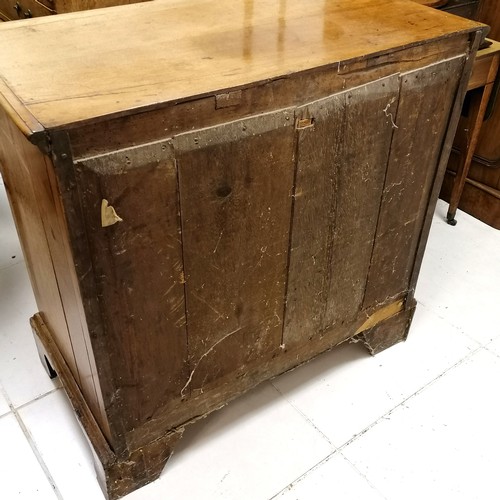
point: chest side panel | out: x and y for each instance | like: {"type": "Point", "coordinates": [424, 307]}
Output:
{"type": "Point", "coordinates": [41, 224]}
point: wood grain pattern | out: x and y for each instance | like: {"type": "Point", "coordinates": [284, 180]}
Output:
{"type": "Point", "coordinates": [342, 158]}
{"type": "Point", "coordinates": [444, 154]}
{"type": "Point", "coordinates": [279, 361]}
{"type": "Point", "coordinates": [389, 332]}
{"type": "Point", "coordinates": [139, 274]}
{"type": "Point", "coordinates": [118, 133]}
{"type": "Point", "coordinates": [235, 185]}
{"type": "Point", "coordinates": [62, 87]}
{"type": "Point", "coordinates": [421, 121]}
{"type": "Point", "coordinates": [488, 146]}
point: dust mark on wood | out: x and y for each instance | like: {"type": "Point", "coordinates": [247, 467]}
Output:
{"type": "Point", "coordinates": [204, 355]}
{"type": "Point", "coordinates": [389, 115]}
{"type": "Point", "coordinates": [218, 241]}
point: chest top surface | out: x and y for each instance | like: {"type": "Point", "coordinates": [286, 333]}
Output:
{"type": "Point", "coordinates": [74, 68]}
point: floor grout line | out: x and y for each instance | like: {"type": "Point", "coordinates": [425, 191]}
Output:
{"type": "Point", "coordinates": [491, 351]}
{"type": "Point", "coordinates": [37, 398]}
{"type": "Point", "coordinates": [305, 417]}
{"type": "Point", "coordinates": [458, 328]}
{"type": "Point", "coordinates": [372, 486]}
{"type": "Point", "coordinates": [339, 450]}
{"type": "Point", "coordinates": [416, 393]}
{"type": "Point", "coordinates": [306, 473]}
{"type": "Point", "coordinates": [31, 441]}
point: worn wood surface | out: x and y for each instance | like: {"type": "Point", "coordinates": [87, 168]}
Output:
{"type": "Point", "coordinates": [421, 121]}
{"type": "Point", "coordinates": [61, 87]}
{"type": "Point", "coordinates": [118, 133]}
{"type": "Point", "coordinates": [138, 268]}
{"type": "Point", "coordinates": [280, 360]}
{"type": "Point", "coordinates": [391, 331]}
{"type": "Point", "coordinates": [119, 476]}
{"type": "Point", "coordinates": [444, 155]}
{"type": "Point", "coordinates": [342, 154]}
{"type": "Point", "coordinates": [235, 233]}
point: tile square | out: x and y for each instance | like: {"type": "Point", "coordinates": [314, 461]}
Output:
{"type": "Point", "coordinates": [21, 372]}
{"type": "Point", "coordinates": [442, 443]}
{"type": "Point", "coordinates": [62, 445]}
{"type": "Point", "coordinates": [251, 449]}
{"type": "Point", "coordinates": [334, 478]}
{"type": "Point", "coordinates": [346, 390]}
{"type": "Point", "coordinates": [342, 392]}
{"type": "Point", "coordinates": [21, 475]}
{"type": "Point", "coordinates": [433, 346]}
{"type": "Point", "coordinates": [459, 275]}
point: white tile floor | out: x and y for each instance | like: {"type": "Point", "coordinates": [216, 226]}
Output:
{"type": "Point", "coordinates": [420, 420]}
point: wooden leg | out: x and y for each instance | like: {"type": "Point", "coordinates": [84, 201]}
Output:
{"type": "Point", "coordinates": [389, 332]}
{"type": "Point", "coordinates": [120, 474]}
{"type": "Point", "coordinates": [141, 467]}
{"type": "Point", "coordinates": [467, 146]}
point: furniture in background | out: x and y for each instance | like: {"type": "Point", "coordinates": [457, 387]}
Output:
{"type": "Point", "coordinates": [209, 201]}
{"type": "Point", "coordinates": [480, 196]}
{"type": "Point", "coordinates": [463, 8]}
{"type": "Point", "coordinates": [481, 85]}
{"type": "Point", "coordinates": [11, 10]}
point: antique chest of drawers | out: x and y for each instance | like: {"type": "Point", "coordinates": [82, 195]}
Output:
{"type": "Point", "coordinates": [211, 193]}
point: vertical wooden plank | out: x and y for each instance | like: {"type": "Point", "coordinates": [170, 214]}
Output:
{"type": "Point", "coordinates": [426, 98]}
{"type": "Point", "coordinates": [343, 146]}
{"type": "Point", "coordinates": [235, 189]}
{"type": "Point", "coordinates": [444, 154]}
{"type": "Point", "coordinates": [137, 263]}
